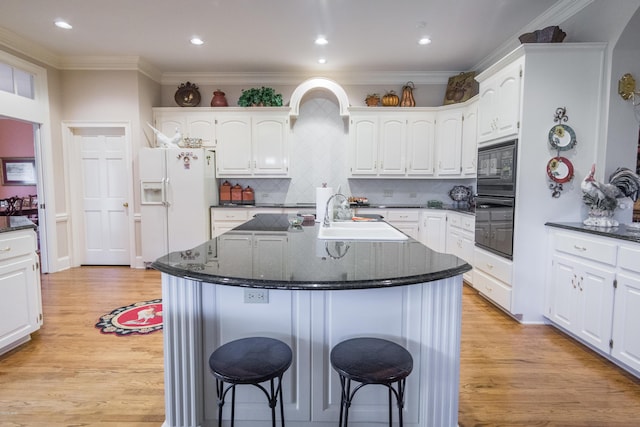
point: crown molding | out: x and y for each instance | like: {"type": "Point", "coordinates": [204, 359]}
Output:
{"type": "Point", "coordinates": [291, 78]}
{"type": "Point", "coordinates": [111, 63]}
{"type": "Point", "coordinates": [555, 15]}
{"type": "Point", "coordinates": [29, 49]}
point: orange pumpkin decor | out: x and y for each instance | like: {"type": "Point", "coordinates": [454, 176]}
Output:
{"type": "Point", "coordinates": [407, 95]}
{"type": "Point", "coordinates": [390, 99]}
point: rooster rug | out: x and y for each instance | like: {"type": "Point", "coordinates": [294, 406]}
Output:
{"type": "Point", "coordinates": [139, 318]}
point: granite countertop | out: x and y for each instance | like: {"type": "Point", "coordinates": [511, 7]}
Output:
{"type": "Point", "coordinates": [298, 260]}
{"type": "Point", "coordinates": [312, 206]}
{"type": "Point", "coordinates": [621, 232]}
{"type": "Point", "coordinates": [13, 223]}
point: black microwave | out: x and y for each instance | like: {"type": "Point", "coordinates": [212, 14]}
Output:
{"type": "Point", "coordinates": [497, 169]}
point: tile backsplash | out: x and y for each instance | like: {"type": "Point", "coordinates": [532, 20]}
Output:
{"type": "Point", "coordinates": [319, 140]}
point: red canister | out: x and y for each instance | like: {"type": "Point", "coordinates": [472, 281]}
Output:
{"type": "Point", "coordinates": [236, 194]}
{"type": "Point", "coordinates": [225, 193]}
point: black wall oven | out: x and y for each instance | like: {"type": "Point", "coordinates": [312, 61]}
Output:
{"type": "Point", "coordinates": [496, 198]}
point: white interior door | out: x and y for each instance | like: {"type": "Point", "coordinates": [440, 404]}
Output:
{"type": "Point", "coordinates": [104, 196]}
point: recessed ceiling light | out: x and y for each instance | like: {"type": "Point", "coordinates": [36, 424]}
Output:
{"type": "Point", "coordinates": [197, 41]}
{"type": "Point", "coordinates": [63, 24]}
{"type": "Point", "coordinates": [322, 61]}
{"type": "Point", "coordinates": [321, 40]}
{"type": "Point", "coordinates": [424, 41]}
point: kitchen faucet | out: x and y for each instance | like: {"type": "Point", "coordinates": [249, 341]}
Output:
{"type": "Point", "coordinates": [327, 222]}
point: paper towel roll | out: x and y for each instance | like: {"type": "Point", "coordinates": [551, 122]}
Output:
{"type": "Point", "coordinates": [322, 195]}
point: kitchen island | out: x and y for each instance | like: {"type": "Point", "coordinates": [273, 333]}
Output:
{"type": "Point", "coordinates": [267, 278]}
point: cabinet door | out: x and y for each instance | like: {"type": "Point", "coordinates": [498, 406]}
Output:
{"type": "Point", "coordinates": [363, 140]}
{"type": "Point", "coordinates": [235, 253]}
{"type": "Point", "coordinates": [626, 321]}
{"type": "Point", "coordinates": [270, 256]}
{"type": "Point", "coordinates": [170, 122]}
{"type": "Point", "coordinates": [433, 232]}
{"type": "Point", "coordinates": [19, 299]}
{"type": "Point", "coordinates": [393, 136]}
{"type": "Point", "coordinates": [508, 103]}
{"type": "Point", "coordinates": [270, 146]}
{"type": "Point", "coordinates": [563, 292]}
{"type": "Point", "coordinates": [596, 291]}
{"type": "Point", "coordinates": [487, 105]}
{"type": "Point", "coordinates": [470, 141]}
{"type": "Point", "coordinates": [421, 136]}
{"type": "Point", "coordinates": [449, 142]}
{"type": "Point", "coordinates": [201, 125]}
{"type": "Point", "coordinates": [234, 146]}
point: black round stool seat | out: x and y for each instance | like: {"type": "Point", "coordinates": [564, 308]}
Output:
{"type": "Point", "coordinates": [371, 361]}
{"type": "Point", "coordinates": [250, 361]}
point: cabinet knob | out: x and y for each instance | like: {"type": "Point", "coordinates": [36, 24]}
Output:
{"type": "Point", "coordinates": [5, 249]}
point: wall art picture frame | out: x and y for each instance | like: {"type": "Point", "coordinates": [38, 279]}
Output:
{"type": "Point", "coordinates": [460, 88]}
{"type": "Point", "coordinates": [18, 171]}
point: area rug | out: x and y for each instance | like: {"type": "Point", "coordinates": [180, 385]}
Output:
{"type": "Point", "coordinates": [139, 318]}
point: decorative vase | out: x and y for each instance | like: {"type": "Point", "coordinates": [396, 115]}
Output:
{"type": "Point", "coordinates": [600, 218]}
{"type": "Point", "coordinates": [219, 99]}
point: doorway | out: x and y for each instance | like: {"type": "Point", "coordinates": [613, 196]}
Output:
{"type": "Point", "coordinates": [99, 178]}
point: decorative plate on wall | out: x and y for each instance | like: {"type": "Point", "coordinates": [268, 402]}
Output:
{"type": "Point", "coordinates": [560, 170]}
{"type": "Point", "coordinates": [562, 137]}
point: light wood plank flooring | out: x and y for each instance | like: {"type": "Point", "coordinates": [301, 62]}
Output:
{"type": "Point", "coordinates": [71, 375]}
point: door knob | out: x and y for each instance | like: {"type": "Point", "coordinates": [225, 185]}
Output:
{"type": "Point", "coordinates": [125, 204]}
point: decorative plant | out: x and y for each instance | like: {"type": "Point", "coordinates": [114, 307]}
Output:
{"type": "Point", "coordinates": [260, 97]}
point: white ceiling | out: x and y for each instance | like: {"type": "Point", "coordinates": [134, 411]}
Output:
{"type": "Point", "coordinates": [276, 36]}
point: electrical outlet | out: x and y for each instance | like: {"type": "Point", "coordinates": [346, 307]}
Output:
{"type": "Point", "coordinates": [256, 296]}
{"type": "Point", "coordinates": [265, 195]}
{"type": "Point", "coordinates": [413, 195]}
{"type": "Point", "coordinates": [387, 193]}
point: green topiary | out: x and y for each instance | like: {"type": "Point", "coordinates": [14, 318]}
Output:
{"type": "Point", "coordinates": [260, 97]}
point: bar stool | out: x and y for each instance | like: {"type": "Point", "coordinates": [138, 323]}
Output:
{"type": "Point", "coordinates": [250, 361]}
{"type": "Point", "coordinates": [371, 361]}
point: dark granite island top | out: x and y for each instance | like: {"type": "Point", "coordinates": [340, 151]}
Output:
{"type": "Point", "coordinates": [308, 263]}
{"type": "Point", "coordinates": [13, 223]}
{"type": "Point", "coordinates": [265, 278]}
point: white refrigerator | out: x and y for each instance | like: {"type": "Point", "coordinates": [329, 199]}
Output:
{"type": "Point", "coordinates": [177, 187]}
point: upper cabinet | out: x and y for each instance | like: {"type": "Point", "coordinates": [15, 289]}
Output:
{"type": "Point", "coordinates": [250, 142]}
{"type": "Point", "coordinates": [499, 104]}
{"type": "Point", "coordinates": [391, 144]}
{"type": "Point", "coordinates": [420, 143]}
{"type": "Point", "coordinates": [192, 124]}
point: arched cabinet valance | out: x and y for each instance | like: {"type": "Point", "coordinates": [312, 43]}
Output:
{"type": "Point", "coordinates": [319, 83]}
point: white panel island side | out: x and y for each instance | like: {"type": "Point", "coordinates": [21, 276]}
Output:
{"type": "Point", "coordinates": [312, 294]}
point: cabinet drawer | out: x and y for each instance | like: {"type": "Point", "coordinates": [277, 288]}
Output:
{"type": "Point", "coordinates": [412, 215]}
{"type": "Point", "coordinates": [230, 214]}
{"type": "Point", "coordinates": [468, 223]}
{"type": "Point", "coordinates": [629, 257]}
{"type": "Point", "coordinates": [494, 289]}
{"type": "Point", "coordinates": [16, 246]}
{"type": "Point", "coordinates": [592, 249]}
{"type": "Point", "coordinates": [493, 265]}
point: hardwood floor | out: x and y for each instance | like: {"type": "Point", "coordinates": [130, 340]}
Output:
{"type": "Point", "coordinates": [72, 375]}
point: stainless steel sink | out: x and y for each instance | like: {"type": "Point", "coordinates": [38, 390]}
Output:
{"type": "Point", "coordinates": [365, 230]}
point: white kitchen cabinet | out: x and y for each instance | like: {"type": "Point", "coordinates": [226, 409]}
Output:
{"type": "Point", "coordinates": [433, 229]}
{"type": "Point", "coordinates": [493, 277]}
{"type": "Point", "coordinates": [582, 300]}
{"type": "Point", "coordinates": [461, 238]}
{"type": "Point", "coordinates": [20, 297]}
{"type": "Point", "coordinates": [391, 144]}
{"type": "Point", "coordinates": [192, 123]}
{"type": "Point", "coordinates": [593, 293]}
{"type": "Point", "coordinates": [267, 253]}
{"type": "Point", "coordinates": [499, 103]}
{"type": "Point", "coordinates": [449, 142]}
{"type": "Point", "coordinates": [225, 219]}
{"type": "Point", "coordinates": [253, 144]}
{"type": "Point", "coordinates": [405, 220]}
{"type": "Point", "coordinates": [469, 149]}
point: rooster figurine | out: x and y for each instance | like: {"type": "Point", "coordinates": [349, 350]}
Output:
{"type": "Point", "coordinates": [603, 199]}
{"type": "Point", "coordinates": [164, 140]}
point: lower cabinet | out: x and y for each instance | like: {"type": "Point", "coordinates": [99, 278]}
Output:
{"type": "Point", "coordinates": [20, 298]}
{"type": "Point", "coordinates": [492, 277]}
{"type": "Point", "coordinates": [225, 219]}
{"type": "Point", "coordinates": [267, 250]}
{"type": "Point", "coordinates": [461, 238]}
{"type": "Point", "coordinates": [433, 229]}
{"type": "Point", "coordinates": [593, 293]}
